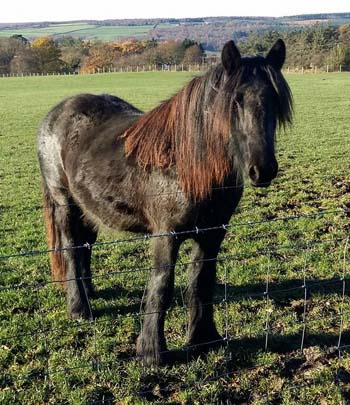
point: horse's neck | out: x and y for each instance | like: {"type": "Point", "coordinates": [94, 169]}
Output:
{"type": "Point", "coordinates": [178, 133]}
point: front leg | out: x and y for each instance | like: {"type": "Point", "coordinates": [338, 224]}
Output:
{"type": "Point", "coordinates": [151, 345]}
{"type": "Point", "coordinates": [200, 290]}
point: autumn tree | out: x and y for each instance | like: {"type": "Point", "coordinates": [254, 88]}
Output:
{"type": "Point", "coordinates": [48, 55]}
{"type": "Point", "coordinates": [101, 56]}
{"type": "Point", "coordinates": [9, 48]}
{"type": "Point", "coordinates": [170, 52]}
{"type": "Point", "coordinates": [193, 55]}
{"type": "Point", "coordinates": [344, 35]}
{"type": "Point", "coordinates": [133, 52]}
{"type": "Point", "coordinates": [131, 46]}
{"type": "Point", "coordinates": [167, 53]}
{"type": "Point", "coordinates": [339, 55]}
{"type": "Point", "coordinates": [24, 62]}
{"type": "Point", "coordinates": [73, 52]}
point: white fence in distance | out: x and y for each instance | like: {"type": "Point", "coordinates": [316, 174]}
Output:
{"type": "Point", "coordinates": [199, 67]}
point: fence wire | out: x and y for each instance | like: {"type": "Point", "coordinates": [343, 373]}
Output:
{"type": "Point", "coordinates": [178, 234]}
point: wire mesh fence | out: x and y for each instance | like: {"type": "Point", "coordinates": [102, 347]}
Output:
{"type": "Point", "coordinates": [278, 313]}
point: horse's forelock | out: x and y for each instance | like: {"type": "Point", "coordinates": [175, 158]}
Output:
{"type": "Point", "coordinates": [258, 67]}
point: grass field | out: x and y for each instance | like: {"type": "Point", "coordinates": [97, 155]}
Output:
{"type": "Point", "coordinates": [44, 358]}
{"type": "Point", "coordinates": [83, 30]}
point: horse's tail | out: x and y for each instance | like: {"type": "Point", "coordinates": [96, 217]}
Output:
{"type": "Point", "coordinates": [57, 261]}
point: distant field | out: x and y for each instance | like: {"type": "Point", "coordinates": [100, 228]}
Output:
{"type": "Point", "coordinates": [83, 30]}
{"type": "Point", "coordinates": [36, 338]}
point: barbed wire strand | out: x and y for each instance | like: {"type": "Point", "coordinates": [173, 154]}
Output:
{"type": "Point", "coordinates": [150, 268]}
{"type": "Point", "coordinates": [173, 234]}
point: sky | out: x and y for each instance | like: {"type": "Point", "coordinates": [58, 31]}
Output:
{"type": "Point", "coordinates": [66, 10]}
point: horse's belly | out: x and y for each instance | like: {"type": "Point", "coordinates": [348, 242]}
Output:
{"type": "Point", "coordinates": [115, 214]}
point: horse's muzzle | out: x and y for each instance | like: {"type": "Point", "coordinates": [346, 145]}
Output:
{"type": "Point", "coordinates": [262, 176]}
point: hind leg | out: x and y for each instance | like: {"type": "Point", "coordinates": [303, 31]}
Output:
{"type": "Point", "coordinates": [73, 235]}
{"type": "Point", "coordinates": [88, 235]}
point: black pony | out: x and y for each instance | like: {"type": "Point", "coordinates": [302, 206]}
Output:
{"type": "Point", "coordinates": [178, 167]}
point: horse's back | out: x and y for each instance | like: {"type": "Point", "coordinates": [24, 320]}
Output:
{"type": "Point", "coordinates": [69, 123]}
{"type": "Point", "coordinates": [83, 111]}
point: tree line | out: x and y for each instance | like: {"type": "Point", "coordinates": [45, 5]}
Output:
{"type": "Point", "coordinates": [69, 55]}
{"type": "Point", "coordinates": [316, 45]}
{"type": "Point", "coordinates": [319, 46]}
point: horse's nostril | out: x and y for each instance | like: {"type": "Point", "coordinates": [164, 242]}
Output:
{"type": "Point", "coordinates": [254, 173]}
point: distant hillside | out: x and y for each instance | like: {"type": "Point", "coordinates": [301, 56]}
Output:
{"type": "Point", "coordinates": [212, 32]}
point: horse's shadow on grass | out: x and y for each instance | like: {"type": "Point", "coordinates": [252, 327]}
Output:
{"type": "Point", "coordinates": [278, 288]}
{"type": "Point", "coordinates": [282, 293]}
{"type": "Point", "coordinates": [109, 294]}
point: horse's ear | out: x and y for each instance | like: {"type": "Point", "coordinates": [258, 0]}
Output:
{"type": "Point", "coordinates": [230, 57]}
{"type": "Point", "coordinates": [277, 55]}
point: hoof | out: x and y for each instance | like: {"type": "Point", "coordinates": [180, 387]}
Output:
{"type": "Point", "coordinates": [152, 354]}
{"type": "Point", "coordinates": [82, 313]}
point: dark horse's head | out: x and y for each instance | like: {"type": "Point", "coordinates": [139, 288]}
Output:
{"type": "Point", "coordinates": [220, 122]}
{"type": "Point", "coordinates": [257, 99]}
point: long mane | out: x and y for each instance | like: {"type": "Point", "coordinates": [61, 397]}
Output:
{"type": "Point", "coordinates": [192, 130]}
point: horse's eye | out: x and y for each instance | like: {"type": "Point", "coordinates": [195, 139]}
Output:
{"type": "Point", "coordinates": [239, 98]}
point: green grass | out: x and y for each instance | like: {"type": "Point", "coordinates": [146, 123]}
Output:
{"type": "Point", "coordinates": [83, 30]}
{"type": "Point", "coordinates": [52, 29]}
{"type": "Point", "coordinates": [314, 175]}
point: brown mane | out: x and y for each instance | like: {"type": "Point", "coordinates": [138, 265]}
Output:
{"type": "Point", "coordinates": [192, 130]}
